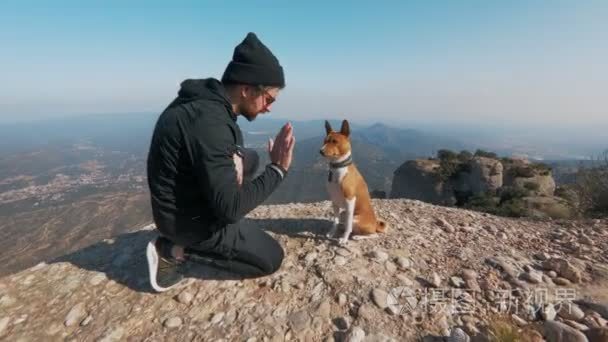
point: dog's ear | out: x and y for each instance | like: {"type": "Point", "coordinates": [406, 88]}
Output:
{"type": "Point", "coordinates": [328, 127]}
{"type": "Point", "coordinates": [345, 130]}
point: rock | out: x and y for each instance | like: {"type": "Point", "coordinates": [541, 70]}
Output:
{"type": "Point", "coordinates": [597, 334]}
{"type": "Point", "coordinates": [458, 335]}
{"type": "Point", "coordinates": [562, 281]}
{"type": "Point", "coordinates": [324, 309]}
{"type": "Point", "coordinates": [97, 279]}
{"type": "Point", "coordinates": [342, 323]}
{"type": "Point", "coordinates": [519, 321]}
{"type": "Point", "coordinates": [355, 334]}
{"type": "Point", "coordinates": [173, 322]}
{"type": "Point", "coordinates": [533, 277]}
{"type": "Point", "coordinates": [342, 299]}
{"type": "Point", "coordinates": [76, 315]}
{"type": "Point", "coordinates": [390, 267]}
{"type": "Point", "coordinates": [457, 281]}
{"type": "Point", "coordinates": [403, 263]}
{"type": "Point", "coordinates": [586, 240]}
{"type": "Point", "coordinates": [435, 280]}
{"type": "Point", "coordinates": [570, 311]}
{"type": "Point", "coordinates": [504, 266]}
{"type": "Point", "coordinates": [552, 274]}
{"type": "Point", "coordinates": [299, 320]}
{"type": "Point", "coordinates": [185, 297]}
{"type": "Point", "coordinates": [86, 321]}
{"type": "Point", "coordinates": [445, 225]}
{"type": "Point", "coordinates": [340, 261]}
{"type": "Point", "coordinates": [548, 312]}
{"type": "Point", "coordinates": [601, 309]}
{"type": "Point", "coordinates": [4, 324]}
{"type": "Point", "coordinates": [560, 332]}
{"type": "Point", "coordinates": [112, 334]}
{"type": "Point", "coordinates": [563, 268]}
{"type": "Point", "coordinates": [378, 256]}
{"type": "Point", "coordinates": [542, 256]}
{"type": "Point", "coordinates": [379, 298]}
{"type": "Point", "coordinates": [310, 257]}
{"type": "Point", "coordinates": [576, 325]}
{"type": "Point", "coordinates": [217, 317]}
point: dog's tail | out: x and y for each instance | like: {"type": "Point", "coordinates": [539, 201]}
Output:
{"type": "Point", "coordinates": [381, 226]}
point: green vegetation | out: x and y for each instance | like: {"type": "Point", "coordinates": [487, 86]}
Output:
{"type": "Point", "coordinates": [591, 188]}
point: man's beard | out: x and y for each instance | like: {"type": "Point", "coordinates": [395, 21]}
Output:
{"type": "Point", "coordinates": [250, 117]}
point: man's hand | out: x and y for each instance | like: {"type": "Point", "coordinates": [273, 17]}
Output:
{"type": "Point", "coordinates": [281, 149]}
{"type": "Point", "coordinates": [238, 165]}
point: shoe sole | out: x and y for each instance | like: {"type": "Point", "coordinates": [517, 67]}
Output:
{"type": "Point", "coordinates": [152, 257]}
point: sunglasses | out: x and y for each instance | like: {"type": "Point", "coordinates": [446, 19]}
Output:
{"type": "Point", "coordinates": [268, 98]}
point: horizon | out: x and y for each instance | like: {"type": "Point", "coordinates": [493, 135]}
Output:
{"type": "Point", "coordinates": [520, 64]}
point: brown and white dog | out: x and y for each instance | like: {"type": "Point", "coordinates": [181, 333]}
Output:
{"type": "Point", "coordinates": [347, 188]}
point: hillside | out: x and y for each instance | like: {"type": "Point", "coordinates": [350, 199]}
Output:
{"type": "Point", "coordinates": [438, 271]}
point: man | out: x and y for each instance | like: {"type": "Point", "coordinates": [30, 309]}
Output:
{"type": "Point", "coordinates": [200, 175]}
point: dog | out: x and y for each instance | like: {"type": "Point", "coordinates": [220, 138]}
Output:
{"type": "Point", "coordinates": [347, 189]}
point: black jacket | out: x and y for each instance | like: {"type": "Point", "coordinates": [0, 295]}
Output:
{"type": "Point", "coordinates": [191, 172]}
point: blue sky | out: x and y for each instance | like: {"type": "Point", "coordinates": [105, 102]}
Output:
{"type": "Point", "coordinates": [496, 62]}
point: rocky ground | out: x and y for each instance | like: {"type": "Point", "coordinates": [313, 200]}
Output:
{"type": "Point", "coordinates": [438, 274]}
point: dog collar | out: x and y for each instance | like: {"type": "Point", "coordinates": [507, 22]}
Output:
{"type": "Point", "coordinates": [343, 163]}
{"type": "Point", "coordinates": [333, 166]}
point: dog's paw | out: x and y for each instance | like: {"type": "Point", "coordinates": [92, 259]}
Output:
{"type": "Point", "coordinates": [343, 241]}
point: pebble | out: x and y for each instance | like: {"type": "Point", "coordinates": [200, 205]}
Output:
{"type": "Point", "coordinates": [172, 322]}
{"type": "Point", "coordinates": [76, 315]}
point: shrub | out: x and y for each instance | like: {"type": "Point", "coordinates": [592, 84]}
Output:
{"type": "Point", "coordinates": [592, 188]}
{"type": "Point", "coordinates": [521, 171]}
{"type": "Point", "coordinates": [513, 208]}
{"type": "Point", "coordinates": [482, 153]}
{"type": "Point", "coordinates": [465, 156]}
{"type": "Point", "coordinates": [446, 155]}
{"type": "Point", "coordinates": [541, 168]}
{"type": "Point", "coordinates": [531, 186]}
{"type": "Point", "coordinates": [508, 193]}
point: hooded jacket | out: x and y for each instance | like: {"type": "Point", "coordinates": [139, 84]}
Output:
{"type": "Point", "coordinates": [191, 173]}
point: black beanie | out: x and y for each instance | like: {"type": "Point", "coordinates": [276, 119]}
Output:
{"type": "Point", "coordinates": [253, 63]}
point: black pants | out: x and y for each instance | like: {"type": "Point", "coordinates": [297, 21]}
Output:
{"type": "Point", "coordinates": [249, 252]}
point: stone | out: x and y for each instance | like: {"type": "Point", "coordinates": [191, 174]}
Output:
{"type": "Point", "coordinates": [556, 331]}
{"type": "Point", "coordinates": [185, 297]}
{"type": "Point", "coordinates": [561, 281]}
{"type": "Point", "coordinates": [97, 279]}
{"type": "Point", "coordinates": [4, 324]}
{"type": "Point", "coordinates": [570, 311]}
{"type": "Point", "coordinates": [324, 309]}
{"type": "Point", "coordinates": [576, 325]}
{"type": "Point", "coordinates": [76, 315]}
{"type": "Point", "coordinates": [564, 268]}
{"type": "Point", "coordinates": [390, 267]}
{"type": "Point", "coordinates": [435, 280]}
{"type": "Point", "coordinates": [403, 263]}
{"type": "Point", "coordinates": [355, 334]}
{"type": "Point", "coordinates": [112, 335]}
{"type": "Point", "coordinates": [519, 321]}
{"type": "Point", "coordinates": [342, 323]}
{"type": "Point", "coordinates": [379, 256]}
{"type": "Point", "coordinates": [597, 334]}
{"type": "Point", "coordinates": [457, 282]}
{"type": "Point", "coordinates": [533, 277]}
{"type": "Point", "coordinates": [299, 320]}
{"type": "Point", "coordinates": [458, 335]}
{"type": "Point", "coordinates": [342, 299]}
{"type": "Point", "coordinates": [379, 297]}
{"type": "Point", "coordinates": [173, 322]}
{"type": "Point", "coordinates": [548, 312]}
{"type": "Point", "coordinates": [217, 317]}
